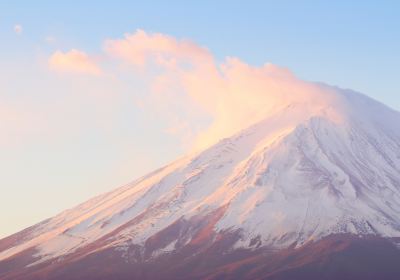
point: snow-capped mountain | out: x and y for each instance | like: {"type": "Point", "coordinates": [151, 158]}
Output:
{"type": "Point", "coordinates": [318, 172]}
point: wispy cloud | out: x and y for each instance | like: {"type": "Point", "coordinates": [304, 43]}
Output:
{"type": "Point", "coordinates": [146, 49]}
{"type": "Point", "coordinates": [202, 99]}
{"type": "Point", "coordinates": [18, 29]}
{"type": "Point", "coordinates": [188, 81]}
{"type": "Point", "coordinates": [74, 61]}
{"type": "Point", "coordinates": [50, 39]}
{"type": "Point", "coordinates": [16, 124]}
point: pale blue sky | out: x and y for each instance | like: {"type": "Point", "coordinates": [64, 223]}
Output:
{"type": "Point", "coordinates": [52, 166]}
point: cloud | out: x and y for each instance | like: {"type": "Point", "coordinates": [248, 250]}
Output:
{"type": "Point", "coordinates": [198, 98]}
{"type": "Point", "coordinates": [16, 124]}
{"type": "Point", "coordinates": [74, 61]}
{"type": "Point", "coordinates": [50, 39]}
{"type": "Point", "coordinates": [18, 29]}
{"type": "Point", "coordinates": [189, 86]}
{"type": "Point", "coordinates": [143, 49]}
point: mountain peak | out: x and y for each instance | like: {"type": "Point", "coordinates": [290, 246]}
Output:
{"type": "Point", "coordinates": [315, 166]}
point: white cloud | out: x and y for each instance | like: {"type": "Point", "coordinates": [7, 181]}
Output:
{"type": "Point", "coordinates": [18, 29]}
{"type": "Point", "coordinates": [50, 39]}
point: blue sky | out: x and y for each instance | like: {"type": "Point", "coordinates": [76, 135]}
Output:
{"type": "Point", "coordinates": [352, 44]}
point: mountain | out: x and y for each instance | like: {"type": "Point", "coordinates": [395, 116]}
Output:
{"type": "Point", "coordinates": [312, 191]}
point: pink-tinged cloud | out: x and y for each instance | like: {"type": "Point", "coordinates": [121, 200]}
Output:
{"type": "Point", "coordinates": [202, 100]}
{"type": "Point", "coordinates": [18, 124]}
{"type": "Point", "coordinates": [74, 61]}
{"type": "Point", "coordinates": [187, 81]}
{"type": "Point", "coordinates": [144, 49]}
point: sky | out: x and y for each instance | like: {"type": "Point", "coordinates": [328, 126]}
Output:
{"type": "Point", "coordinates": [94, 94]}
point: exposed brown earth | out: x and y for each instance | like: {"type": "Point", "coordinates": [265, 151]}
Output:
{"type": "Point", "coordinates": [334, 257]}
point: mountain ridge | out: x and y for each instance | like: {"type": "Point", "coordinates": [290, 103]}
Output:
{"type": "Point", "coordinates": [314, 168]}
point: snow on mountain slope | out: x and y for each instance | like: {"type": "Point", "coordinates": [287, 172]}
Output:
{"type": "Point", "coordinates": [328, 163]}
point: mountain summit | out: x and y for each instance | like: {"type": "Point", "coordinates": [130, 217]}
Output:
{"type": "Point", "coordinates": [312, 191]}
